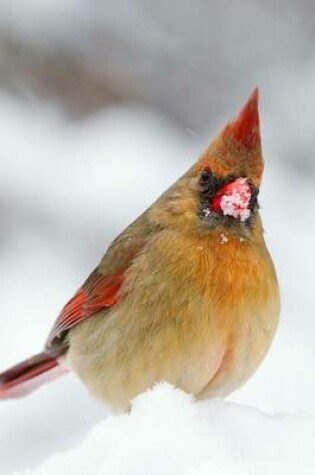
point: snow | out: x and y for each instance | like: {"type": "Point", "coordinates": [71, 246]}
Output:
{"type": "Point", "coordinates": [66, 190]}
{"type": "Point", "coordinates": [236, 199]}
{"type": "Point", "coordinates": [223, 238]}
{"type": "Point", "coordinates": [166, 432]}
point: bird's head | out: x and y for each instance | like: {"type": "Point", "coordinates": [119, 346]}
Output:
{"type": "Point", "coordinates": [221, 189]}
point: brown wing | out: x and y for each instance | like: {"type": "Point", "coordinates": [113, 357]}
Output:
{"type": "Point", "coordinates": [101, 289]}
{"type": "Point", "coordinates": [98, 292]}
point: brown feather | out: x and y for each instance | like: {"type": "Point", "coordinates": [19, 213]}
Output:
{"type": "Point", "coordinates": [177, 297]}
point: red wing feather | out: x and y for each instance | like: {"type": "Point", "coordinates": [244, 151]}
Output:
{"type": "Point", "coordinates": [97, 293]}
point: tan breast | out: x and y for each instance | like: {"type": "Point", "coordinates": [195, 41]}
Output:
{"type": "Point", "coordinates": [246, 297]}
{"type": "Point", "coordinates": [195, 312]}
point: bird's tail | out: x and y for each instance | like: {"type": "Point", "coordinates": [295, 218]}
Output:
{"type": "Point", "coordinates": [26, 376]}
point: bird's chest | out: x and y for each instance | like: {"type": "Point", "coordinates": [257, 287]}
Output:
{"type": "Point", "coordinates": [241, 293]}
{"type": "Point", "coordinates": [196, 316]}
{"type": "Point", "coordinates": [213, 305]}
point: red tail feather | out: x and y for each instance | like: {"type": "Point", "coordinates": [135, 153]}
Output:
{"type": "Point", "coordinates": [28, 375]}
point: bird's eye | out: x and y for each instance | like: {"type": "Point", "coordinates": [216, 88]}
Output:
{"type": "Point", "coordinates": [205, 177]}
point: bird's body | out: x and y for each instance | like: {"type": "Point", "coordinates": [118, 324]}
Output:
{"type": "Point", "coordinates": [186, 294]}
{"type": "Point", "coordinates": [206, 332]}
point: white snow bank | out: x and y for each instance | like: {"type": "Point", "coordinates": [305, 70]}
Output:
{"type": "Point", "coordinates": [167, 433]}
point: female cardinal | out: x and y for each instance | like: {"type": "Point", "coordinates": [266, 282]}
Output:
{"type": "Point", "coordinates": [186, 294]}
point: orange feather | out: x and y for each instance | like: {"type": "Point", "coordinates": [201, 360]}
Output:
{"type": "Point", "coordinates": [187, 293]}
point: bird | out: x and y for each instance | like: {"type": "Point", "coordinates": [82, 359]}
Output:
{"type": "Point", "coordinates": [186, 294]}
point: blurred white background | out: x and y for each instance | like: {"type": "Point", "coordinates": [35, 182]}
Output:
{"type": "Point", "coordinates": [102, 106]}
